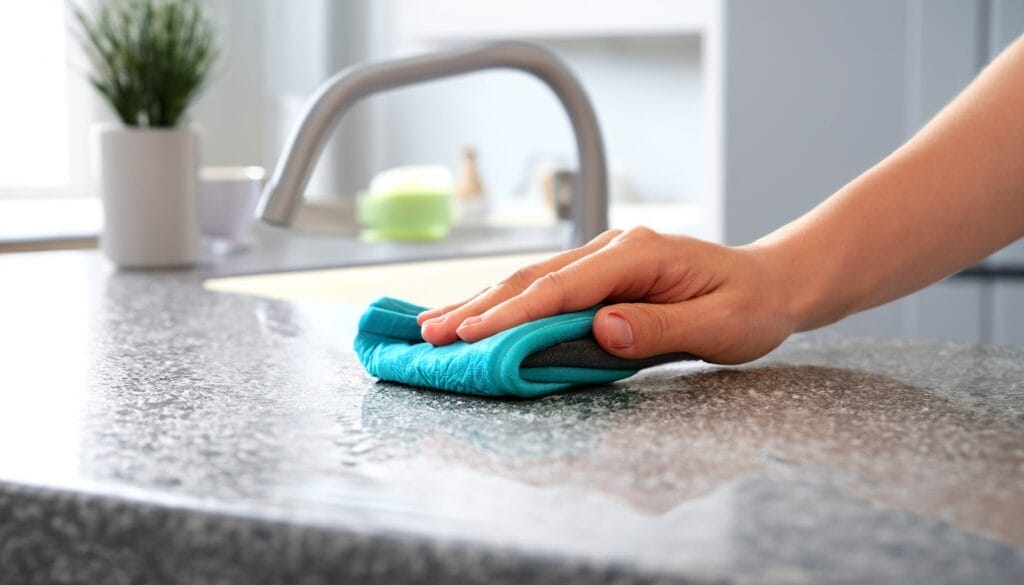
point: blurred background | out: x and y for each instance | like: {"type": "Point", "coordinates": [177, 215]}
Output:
{"type": "Point", "coordinates": [721, 119]}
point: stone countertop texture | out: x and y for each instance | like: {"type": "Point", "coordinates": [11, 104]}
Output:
{"type": "Point", "coordinates": [154, 432]}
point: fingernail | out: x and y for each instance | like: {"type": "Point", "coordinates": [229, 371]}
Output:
{"type": "Point", "coordinates": [620, 336]}
{"type": "Point", "coordinates": [428, 315]}
{"type": "Point", "coordinates": [470, 322]}
{"type": "Point", "coordinates": [436, 320]}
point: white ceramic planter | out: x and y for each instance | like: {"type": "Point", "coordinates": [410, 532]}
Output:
{"type": "Point", "coordinates": [149, 182]}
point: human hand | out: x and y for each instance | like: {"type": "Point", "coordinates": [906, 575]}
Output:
{"type": "Point", "coordinates": [670, 294]}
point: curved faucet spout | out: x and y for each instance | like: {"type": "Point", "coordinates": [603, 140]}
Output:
{"type": "Point", "coordinates": [589, 211]}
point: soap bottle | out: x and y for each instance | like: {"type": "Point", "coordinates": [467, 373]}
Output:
{"type": "Point", "coordinates": [469, 192]}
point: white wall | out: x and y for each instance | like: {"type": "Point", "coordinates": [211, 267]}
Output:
{"type": "Point", "coordinates": [646, 93]}
{"type": "Point", "coordinates": [275, 56]}
{"type": "Point", "coordinates": [232, 110]}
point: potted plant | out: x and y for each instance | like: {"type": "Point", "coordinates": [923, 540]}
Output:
{"type": "Point", "coordinates": [149, 60]}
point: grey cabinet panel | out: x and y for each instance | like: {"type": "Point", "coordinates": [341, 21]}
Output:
{"type": "Point", "coordinates": [1006, 24]}
{"type": "Point", "coordinates": [817, 91]}
{"type": "Point", "coordinates": [1008, 313]}
{"type": "Point", "coordinates": [814, 95]}
{"type": "Point", "coordinates": [885, 322]}
{"type": "Point", "coordinates": [946, 49]}
{"type": "Point", "coordinates": [951, 310]}
{"type": "Point", "coordinates": [1014, 253]}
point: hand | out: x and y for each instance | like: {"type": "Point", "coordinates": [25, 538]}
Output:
{"type": "Point", "coordinates": [670, 293]}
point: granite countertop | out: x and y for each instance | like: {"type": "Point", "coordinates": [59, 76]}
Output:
{"type": "Point", "coordinates": [155, 432]}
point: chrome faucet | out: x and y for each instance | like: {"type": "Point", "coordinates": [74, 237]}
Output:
{"type": "Point", "coordinates": [589, 209]}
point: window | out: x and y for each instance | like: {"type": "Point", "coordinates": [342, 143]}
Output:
{"type": "Point", "coordinates": [35, 145]}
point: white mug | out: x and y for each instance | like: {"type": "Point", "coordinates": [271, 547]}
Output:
{"type": "Point", "coordinates": [227, 200]}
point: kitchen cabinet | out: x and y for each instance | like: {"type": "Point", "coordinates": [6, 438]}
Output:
{"type": "Point", "coordinates": [817, 92]}
{"type": "Point", "coordinates": [957, 309]}
{"type": "Point", "coordinates": [971, 310]}
{"type": "Point", "coordinates": [1008, 312]}
{"type": "Point", "coordinates": [951, 310]}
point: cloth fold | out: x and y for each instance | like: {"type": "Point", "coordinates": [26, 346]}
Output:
{"type": "Point", "coordinates": [390, 347]}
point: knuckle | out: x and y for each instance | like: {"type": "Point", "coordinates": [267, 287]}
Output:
{"type": "Point", "coordinates": [608, 235]}
{"type": "Point", "coordinates": [503, 289]}
{"type": "Point", "coordinates": [520, 309]}
{"type": "Point", "coordinates": [549, 292]}
{"type": "Point", "coordinates": [521, 279]}
{"type": "Point", "coordinates": [641, 232]}
{"type": "Point", "coordinates": [638, 236]}
{"type": "Point", "coordinates": [660, 326]}
{"type": "Point", "coordinates": [554, 282]}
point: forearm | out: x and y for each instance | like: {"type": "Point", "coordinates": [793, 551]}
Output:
{"type": "Point", "coordinates": [950, 196]}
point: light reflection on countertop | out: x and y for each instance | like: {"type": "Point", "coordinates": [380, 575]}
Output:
{"type": "Point", "coordinates": [45, 357]}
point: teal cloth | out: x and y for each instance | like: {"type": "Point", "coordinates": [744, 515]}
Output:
{"type": "Point", "coordinates": [390, 347]}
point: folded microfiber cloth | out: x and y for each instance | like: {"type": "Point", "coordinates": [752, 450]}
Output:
{"type": "Point", "coordinates": [530, 360]}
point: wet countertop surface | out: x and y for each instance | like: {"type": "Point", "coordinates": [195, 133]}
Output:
{"type": "Point", "coordinates": [154, 432]}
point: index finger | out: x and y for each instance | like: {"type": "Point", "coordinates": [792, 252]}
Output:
{"type": "Point", "coordinates": [439, 327]}
{"type": "Point", "coordinates": [611, 271]}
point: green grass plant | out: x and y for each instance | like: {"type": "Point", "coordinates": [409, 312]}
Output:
{"type": "Point", "coordinates": [149, 58]}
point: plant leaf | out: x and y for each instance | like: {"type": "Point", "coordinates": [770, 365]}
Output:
{"type": "Point", "coordinates": [149, 58]}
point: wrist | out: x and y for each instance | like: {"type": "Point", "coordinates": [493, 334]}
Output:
{"type": "Point", "coordinates": [800, 283]}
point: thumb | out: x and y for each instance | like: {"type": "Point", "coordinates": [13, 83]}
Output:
{"type": "Point", "coordinates": [640, 330]}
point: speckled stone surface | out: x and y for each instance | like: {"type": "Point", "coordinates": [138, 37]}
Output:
{"type": "Point", "coordinates": [153, 432]}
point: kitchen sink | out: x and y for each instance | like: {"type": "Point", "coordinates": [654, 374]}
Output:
{"type": "Point", "coordinates": [428, 283]}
